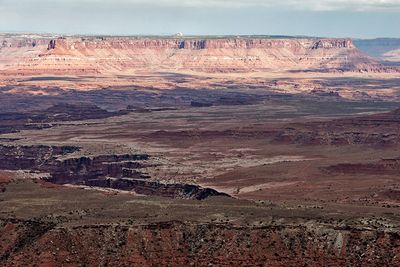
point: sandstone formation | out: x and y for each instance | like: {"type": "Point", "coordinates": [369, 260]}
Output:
{"type": "Point", "coordinates": [111, 55]}
{"type": "Point", "coordinates": [123, 151]}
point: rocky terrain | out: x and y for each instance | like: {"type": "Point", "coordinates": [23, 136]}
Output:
{"type": "Point", "coordinates": [16, 121]}
{"type": "Point", "coordinates": [92, 228]}
{"type": "Point", "coordinates": [195, 151]}
{"type": "Point", "coordinates": [111, 55]}
{"type": "Point", "coordinates": [120, 172]}
{"type": "Point", "coordinates": [201, 244]}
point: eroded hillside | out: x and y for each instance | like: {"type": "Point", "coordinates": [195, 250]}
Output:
{"type": "Point", "coordinates": [112, 55]}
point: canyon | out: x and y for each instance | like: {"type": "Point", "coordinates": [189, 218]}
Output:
{"type": "Point", "coordinates": [198, 151]}
{"type": "Point", "coordinates": [115, 171]}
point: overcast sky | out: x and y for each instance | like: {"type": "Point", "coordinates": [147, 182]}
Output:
{"type": "Point", "coordinates": [336, 18]}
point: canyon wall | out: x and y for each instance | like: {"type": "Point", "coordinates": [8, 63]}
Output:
{"type": "Point", "coordinates": [191, 244]}
{"type": "Point", "coordinates": [111, 55]}
{"type": "Point", "coordinates": [121, 172]}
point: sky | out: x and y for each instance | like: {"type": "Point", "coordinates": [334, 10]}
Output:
{"type": "Point", "coordinates": [323, 18]}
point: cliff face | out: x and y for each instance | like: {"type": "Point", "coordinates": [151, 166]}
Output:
{"type": "Point", "coordinates": [120, 55]}
{"type": "Point", "coordinates": [178, 244]}
{"type": "Point", "coordinates": [198, 44]}
{"type": "Point", "coordinates": [122, 172]}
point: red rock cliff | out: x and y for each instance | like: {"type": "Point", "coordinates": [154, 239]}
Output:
{"type": "Point", "coordinates": [124, 55]}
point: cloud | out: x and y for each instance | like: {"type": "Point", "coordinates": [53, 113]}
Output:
{"type": "Point", "coordinates": [355, 18]}
{"type": "Point", "coordinates": [358, 5]}
{"type": "Point", "coordinates": [311, 5]}
{"type": "Point", "coordinates": [349, 5]}
{"type": "Point", "coordinates": [314, 5]}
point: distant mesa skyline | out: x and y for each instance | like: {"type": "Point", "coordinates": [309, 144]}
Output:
{"type": "Point", "coordinates": [324, 18]}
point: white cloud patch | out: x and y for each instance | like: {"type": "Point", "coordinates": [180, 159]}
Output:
{"type": "Point", "coordinates": [313, 5]}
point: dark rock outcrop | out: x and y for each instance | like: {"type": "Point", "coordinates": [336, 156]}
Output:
{"type": "Point", "coordinates": [122, 172]}
{"type": "Point", "coordinates": [52, 45]}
